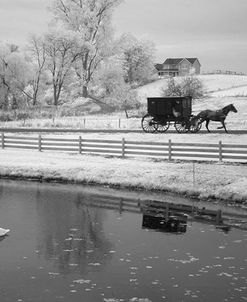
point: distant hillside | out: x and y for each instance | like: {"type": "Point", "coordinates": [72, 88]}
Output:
{"type": "Point", "coordinates": [215, 86]}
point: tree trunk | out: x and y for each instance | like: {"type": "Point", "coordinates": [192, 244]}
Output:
{"type": "Point", "coordinates": [85, 91]}
{"type": "Point", "coordinates": [126, 113]}
{"type": "Point", "coordinates": [35, 97]}
{"type": "Point", "coordinates": [36, 90]}
{"type": "Point", "coordinates": [55, 98]}
{"type": "Point", "coordinates": [104, 107]}
{"type": "Point", "coordinates": [6, 99]}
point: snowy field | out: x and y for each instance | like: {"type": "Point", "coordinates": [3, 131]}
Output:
{"type": "Point", "coordinates": [225, 182]}
{"type": "Point", "coordinates": [222, 90]}
{"type": "Point", "coordinates": [175, 137]}
{"type": "Point", "coordinates": [234, 121]}
{"type": "Point", "coordinates": [215, 86]}
{"type": "Point", "coordinates": [240, 91]}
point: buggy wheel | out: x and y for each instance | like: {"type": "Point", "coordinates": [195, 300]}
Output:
{"type": "Point", "coordinates": [181, 126]}
{"type": "Point", "coordinates": [172, 225]}
{"type": "Point", "coordinates": [148, 124]}
{"type": "Point", "coordinates": [195, 124]}
{"type": "Point", "coordinates": [162, 126]}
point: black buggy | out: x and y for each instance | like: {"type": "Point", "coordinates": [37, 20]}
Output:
{"type": "Point", "coordinates": [163, 111]}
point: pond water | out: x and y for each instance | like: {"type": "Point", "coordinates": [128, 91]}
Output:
{"type": "Point", "coordinates": [64, 247]}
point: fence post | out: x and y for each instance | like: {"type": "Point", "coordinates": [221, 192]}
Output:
{"type": "Point", "coordinates": [194, 178]}
{"type": "Point", "coordinates": [2, 140]}
{"type": "Point", "coordinates": [84, 122]}
{"type": "Point", "coordinates": [80, 145]}
{"type": "Point", "coordinates": [169, 150]}
{"type": "Point", "coordinates": [40, 143]}
{"type": "Point", "coordinates": [123, 147]}
{"type": "Point", "coordinates": [119, 123]}
{"type": "Point", "coordinates": [220, 151]}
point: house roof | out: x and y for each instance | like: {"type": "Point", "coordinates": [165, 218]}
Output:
{"type": "Point", "coordinates": [175, 61]}
{"type": "Point", "coordinates": [192, 60]}
{"type": "Point", "coordinates": [158, 66]}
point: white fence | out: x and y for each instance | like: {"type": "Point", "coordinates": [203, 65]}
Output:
{"type": "Point", "coordinates": [126, 148]}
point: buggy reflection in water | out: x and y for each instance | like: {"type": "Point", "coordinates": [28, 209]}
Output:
{"type": "Point", "coordinates": [161, 222]}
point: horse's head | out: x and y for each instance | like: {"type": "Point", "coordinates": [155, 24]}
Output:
{"type": "Point", "coordinates": [229, 108]}
{"type": "Point", "coordinates": [232, 108]}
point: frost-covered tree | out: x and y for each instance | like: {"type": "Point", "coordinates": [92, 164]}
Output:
{"type": "Point", "coordinates": [91, 20]}
{"type": "Point", "coordinates": [60, 46]}
{"type": "Point", "coordinates": [188, 86]}
{"type": "Point", "coordinates": [114, 90]}
{"type": "Point", "coordinates": [15, 74]}
{"type": "Point", "coordinates": [138, 59]}
{"type": "Point", "coordinates": [192, 86]}
{"type": "Point", "coordinates": [173, 88]}
{"type": "Point", "coordinates": [37, 53]}
{"type": "Point", "coordinates": [4, 84]}
{"type": "Point", "coordinates": [109, 76]}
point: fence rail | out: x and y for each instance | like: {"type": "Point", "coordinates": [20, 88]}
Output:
{"type": "Point", "coordinates": [125, 148]}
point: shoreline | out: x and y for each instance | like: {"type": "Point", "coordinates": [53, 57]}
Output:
{"type": "Point", "coordinates": [129, 188]}
{"type": "Point", "coordinates": [203, 181]}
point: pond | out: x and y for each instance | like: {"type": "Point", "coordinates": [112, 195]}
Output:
{"type": "Point", "coordinates": [65, 246]}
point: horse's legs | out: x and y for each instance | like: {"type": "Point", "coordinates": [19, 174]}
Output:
{"type": "Point", "coordinates": [224, 126]}
{"type": "Point", "coordinates": [207, 122]}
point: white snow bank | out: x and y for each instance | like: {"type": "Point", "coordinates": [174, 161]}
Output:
{"type": "Point", "coordinates": [227, 182]}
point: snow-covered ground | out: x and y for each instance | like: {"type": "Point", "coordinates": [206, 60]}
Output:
{"type": "Point", "coordinates": [156, 137]}
{"type": "Point", "coordinates": [234, 121]}
{"type": "Point", "coordinates": [226, 182]}
{"type": "Point", "coordinates": [235, 92]}
{"type": "Point", "coordinates": [215, 86]}
{"type": "Point", "coordinates": [222, 90]}
{"type": "Point", "coordinates": [216, 82]}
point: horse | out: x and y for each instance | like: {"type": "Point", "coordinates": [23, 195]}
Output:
{"type": "Point", "coordinates": [216, 116]}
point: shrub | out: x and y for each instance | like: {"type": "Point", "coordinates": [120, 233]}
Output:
{"type": "Point", "coordinates": [189, 86]}
{"type": "Point", "coordinates": [123, 98]}
{"type": "Point", "coordinates": [22, 116]}
{"type": "Point", "coordinates": [6, 117]}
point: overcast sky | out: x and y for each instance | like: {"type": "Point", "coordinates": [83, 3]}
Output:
{"type": "Point", "coordinates": [214, 31]}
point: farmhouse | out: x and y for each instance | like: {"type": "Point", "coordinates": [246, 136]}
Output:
{"type": "Point", "coordinates": [178, 67]}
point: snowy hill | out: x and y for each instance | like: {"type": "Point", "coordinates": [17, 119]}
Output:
{"type": "Point", "coordinates": [215, 86]}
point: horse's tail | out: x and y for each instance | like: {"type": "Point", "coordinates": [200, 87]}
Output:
{"type": "Point", "coordinates": [197, 119]}
{"type": "Point", "coordinates": [194, 120]}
